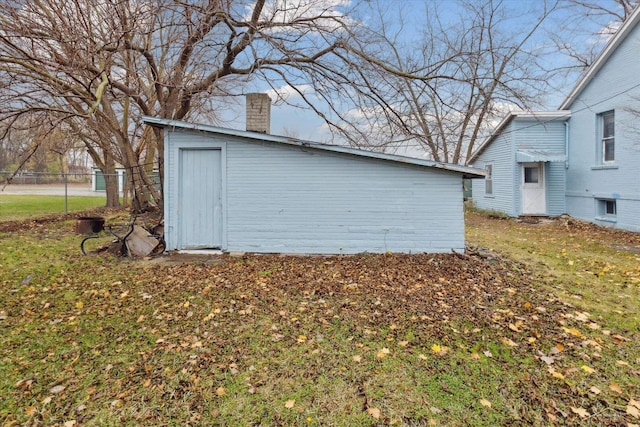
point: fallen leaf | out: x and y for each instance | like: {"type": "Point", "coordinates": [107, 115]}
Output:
{"type": "Point", "coordinates": [587, 369]}
{"type": "Point", "coordinates": [508, 342]}
{"type": "Point", "coordinates": [635, 403]}
{"type": "Point", "coordinates": [24, 383]}
{"type": "Point", "coordinates": [573, 331]}
{"type": "Point", "coordinates": [79, 306]}
{"type": "Point", "coordinates": [633, 411]}
{"type": "Point", "coordinates": [436, 349]}
{"type": "Point", "coordinates": [357, 358]}
{"type": "Point", "coordinates": [615, 387]}
{"type": "Point", "coordinates": [403, 343]}
{"type": "Point", "coordinates": [70, 423]}
{"type": "Point", "coordinates": [580, 411]}
{"type": "Point", "coordinates": [619, 338]}
{"type": "Point", "coordinates": [30, 411]}
{"type": "Point", "coordinates": [374, 412]}
{"type": "Point", "coordinates": [548, 359]}
{"type": "Point", "coordinates": [290, 403]}
{"type": "Point", "coordinates": [57, 389]}
{"type": "Point", "coordinates": [220, 391]}
{"type": "Point", "coordinates": [301, 339]}
{"type": "Point", "coordinates": [383, 353]}
{"type": "Point", "coordinates": [582, 317]}
{"type": "Point", "coordinates": [47, 399]}
{"type": "Point", "coordinates": [595, 390]}
{"type": "Point", "coordinates": [485, 402]}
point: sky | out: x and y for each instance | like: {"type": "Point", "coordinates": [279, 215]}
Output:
{"type": "Point", "coordinates": [564, 24]}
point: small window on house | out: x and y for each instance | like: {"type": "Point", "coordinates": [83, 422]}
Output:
{"type": "Point", "coordinates": [607, 124]}
{"type": "Point", "coordinates": [607, 209]}
{"type": "Point", "coordinates": [531, 175]}
{"type": "Point", "coordinates": [488, 180]}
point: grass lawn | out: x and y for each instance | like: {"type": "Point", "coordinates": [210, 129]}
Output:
{"type": "Point", "coordinates": [14, 207]}
{"type": "Point", "coordinates": [546, 333]}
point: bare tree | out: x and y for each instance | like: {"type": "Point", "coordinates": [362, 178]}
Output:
{"type": "Point", "coordinates": [99, 65]}
{"type": "Point", "coordinates": [583, 28]}
{"type": "Point", "coordinates": [468, 64]}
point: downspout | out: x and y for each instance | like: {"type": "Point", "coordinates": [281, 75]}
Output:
{"type": "Point", "coordinates": [566, 144]}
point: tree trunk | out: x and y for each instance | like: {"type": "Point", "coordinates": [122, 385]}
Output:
{"type": "Point", "coordinates": [111, 183]}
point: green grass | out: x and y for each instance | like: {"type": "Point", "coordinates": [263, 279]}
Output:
{"type": "Point", "coordinates": [365, 340]}
{"type": "Point", "coordinates": [14, 207]}
{"type": "Point", "coordinates": [587, 266]}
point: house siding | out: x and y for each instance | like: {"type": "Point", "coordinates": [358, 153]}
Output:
{"type": "Point", "coordinates": [500, 154]}
{"type": "Point", "coordinates": [522, 134]}
{"type": "Point", "coordinates": [546, 135]}
{"type": "Point", "coordinates": [291, 199]}
{"type": "Point", "coordinates": [614, 87]}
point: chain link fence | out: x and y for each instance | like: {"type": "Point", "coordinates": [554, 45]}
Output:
{"type": "Point", "coordinates": [54, 184]}
{"type": "Point", "coordinates": [68, 184]}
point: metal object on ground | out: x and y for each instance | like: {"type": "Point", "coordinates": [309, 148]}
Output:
{"type": "Point", "coordinates": [92, 226]}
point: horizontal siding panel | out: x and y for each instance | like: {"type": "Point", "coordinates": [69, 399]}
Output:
{"type": "Point", "coordinates": [619, 77]}
{"type": "Point", "coordinates": [281, 198]}
{"type": "Point", "coordinates": [288, 199]}
{"type": "Point", "coordinates": [500, 154]}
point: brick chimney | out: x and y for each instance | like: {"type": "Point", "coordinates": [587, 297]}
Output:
{"type": "Point", "coordinates": [258, 112]}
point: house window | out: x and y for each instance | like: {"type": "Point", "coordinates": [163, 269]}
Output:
{"type": "Point", "coordinates": [607, 209]}
{"type": "Point", "coordinates": [531, 174]}
{"type": "Point", "coordinates": [488, 180]}
{"type": "Point", "coordinates": [607, 124]}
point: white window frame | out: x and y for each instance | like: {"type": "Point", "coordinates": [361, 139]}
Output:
{"type": "Point", "coordinates": [488, 180]}
{"type": "Point", "coordinates": [605, 138]}
{"type": "Point", "coordinates": [607, 210]}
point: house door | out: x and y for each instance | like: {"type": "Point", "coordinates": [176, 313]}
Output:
{"type": "Point", "coordinates": [200, 213]}
{"type": "Point", "coordinates": [534, 199]}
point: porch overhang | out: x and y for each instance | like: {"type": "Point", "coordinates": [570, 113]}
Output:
{"type": "Point", "coordinates": [534, 156]}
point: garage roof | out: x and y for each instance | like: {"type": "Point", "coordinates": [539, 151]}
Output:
{"type": "Point", "coordinates": [466, 171]}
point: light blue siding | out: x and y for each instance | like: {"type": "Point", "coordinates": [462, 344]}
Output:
{"type": "Point", "coordinates": [292, 199]}
{"type": "Point", "coordinates": [522, 134]}
{"type": "Point", "coordinates": [544, 135]}
{"type": "Point", "coordinates": [500, 155]}
{"type": "Point", "coordinates": [556, 177]}
{"type": "Point", "coordinates": [614, 87]}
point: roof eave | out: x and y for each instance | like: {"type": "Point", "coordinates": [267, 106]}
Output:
{"type": "Point", "coordinates": [602, 58]}
{"type": "Point", "coordinates": [466, 171]}
{"type": "Point", "coordinates": [546, 116]}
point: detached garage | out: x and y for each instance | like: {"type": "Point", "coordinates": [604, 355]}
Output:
{"type": "Point", "coordinates": [254, 192]}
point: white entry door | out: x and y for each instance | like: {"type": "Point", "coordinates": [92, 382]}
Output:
{"type": "Point", "coordinates": [200, 199]}
{"type": "Point", "coordinates": [534, 198]}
